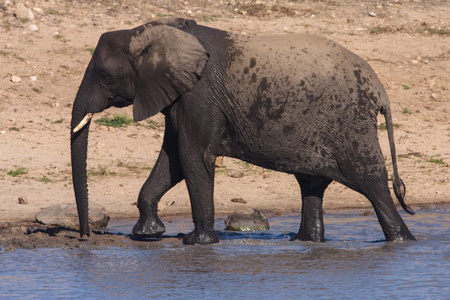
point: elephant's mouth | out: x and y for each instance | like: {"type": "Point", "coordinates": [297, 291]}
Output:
{"type": "Point", "coordinates": [83, 122]}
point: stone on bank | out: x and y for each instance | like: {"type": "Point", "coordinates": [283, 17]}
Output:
{"type": "Point", "coordinates": [66, 215]}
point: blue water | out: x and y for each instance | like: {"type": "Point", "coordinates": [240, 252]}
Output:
{"type": "Point", "coordinates": [354, 263]}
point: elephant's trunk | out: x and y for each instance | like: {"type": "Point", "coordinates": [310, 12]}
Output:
{"type": "Point", "coordinates": [79, 142]}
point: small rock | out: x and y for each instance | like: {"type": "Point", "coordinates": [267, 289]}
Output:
{"type": "Point", "coordinates": [22, 200]}
{"type": "Point", "coordinates": [237, 174]}
{"type": "Point", "coordinates": [66, 215]}
{"type": "Point", "coordinates": [16, 79]}
{"type": "Point", "coordinates": [33, 78]}
{"type": "Point", "coordinates": [22, 12]}
{"type": "Point", "coordinates": [414, 61]}
{"type": "Point", "coordinates": [434, 96]}
{"type": "Point", "coordinates": [171, 203]}
{"type": "Point", "coordinates": [367, 213]}
{"type": "Point", "coordinates": [33, 27]}
{"type": "Point", "coordinates": [239, 200]}
{"type": "Point", "coordinates": [431, 83]}
{"type": "Point", "coordinates": [372, 14]}
{"type": "Point", "coordinates": [219, 161]}
{"type": "Point", "coordinates": [252, 220]}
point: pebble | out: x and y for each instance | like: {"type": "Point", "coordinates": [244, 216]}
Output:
{"type": "Point", "coordinates": [372, 14]}
{"type": "Point", "coordinates": [237, 174]}
{"type": "Point", "coordinates": [22, 12]}
{"type": "Point", "coordinates": [33, 78]}
{"type": "Point", "coordinates": [22, 200]}
{"type": "Point", "coordinates": [16, 79]}
{"type": "Point", "coordinates": [239, 200]}
{"type": "Point", "coordinates": [432, 83]}
{"type": "Point", "coordinates": [33, 27]}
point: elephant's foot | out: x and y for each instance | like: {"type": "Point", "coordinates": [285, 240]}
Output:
{"type": "Point", "coordinates": [404, 235]}
{"type": "Point", "coordinates": [308, 237]}
{"type": "Point", "coordinates": [201, 236]}
{"type": "Point", "coordinates": [149, 227]}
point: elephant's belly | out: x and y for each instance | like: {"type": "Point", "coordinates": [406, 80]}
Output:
{"type": "Point", "coordinates": [280, 150]}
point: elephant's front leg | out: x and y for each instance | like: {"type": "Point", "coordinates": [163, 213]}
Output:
{"type": "Point", "coordinates": [199, 175]}
{"type": "Point", "coordinates": [165, 174]}
{"type": "Point", "coordinates": [311, 226]}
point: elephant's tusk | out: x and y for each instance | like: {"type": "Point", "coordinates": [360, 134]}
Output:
{"type": "Point", "coordinates": [83, 122]}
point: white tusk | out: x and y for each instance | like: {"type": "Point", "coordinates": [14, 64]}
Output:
{"type": "Point", "coordinates": [83, 122]}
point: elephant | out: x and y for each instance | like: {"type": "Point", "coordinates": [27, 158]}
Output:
{"type": "Point", "coordinates": [295, 103]}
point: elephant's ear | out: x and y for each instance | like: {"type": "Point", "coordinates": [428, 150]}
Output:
{"type": "Point", "coordinates": [168, 63]}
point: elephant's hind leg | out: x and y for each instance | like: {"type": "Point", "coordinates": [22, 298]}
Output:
{"type": "Point", "coordinates": [311, 226]}
{"type": "Point", "coordinates": [394, 228]}
{"type": "Point", "coordinates": [165, 174]}
{"type": "Point", "coordinates": [368, 176]}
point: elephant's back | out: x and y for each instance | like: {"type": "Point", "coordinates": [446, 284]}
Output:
{"type": "Point", "coordinates": [301, 72]}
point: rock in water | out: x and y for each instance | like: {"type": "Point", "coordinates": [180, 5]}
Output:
{"type": "Point", "coordinates": [253, 220]}
{"type": "Point", "coordinates": [66, 215]}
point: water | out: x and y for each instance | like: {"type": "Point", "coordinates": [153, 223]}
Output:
{"type": "Point", "coordinates": [355, 262]}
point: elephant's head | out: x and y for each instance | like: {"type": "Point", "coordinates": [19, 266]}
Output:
{"type": "Point", "coordinates": [149, 66]}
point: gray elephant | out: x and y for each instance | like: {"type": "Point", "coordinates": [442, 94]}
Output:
{"type": "Point", "coordinates": [296, 103]}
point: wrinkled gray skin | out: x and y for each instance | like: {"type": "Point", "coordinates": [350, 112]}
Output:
{"type": "Point", "coordinates": [298, 104]}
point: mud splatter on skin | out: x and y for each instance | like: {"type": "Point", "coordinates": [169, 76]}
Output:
{"type": "Point", "coordinates": [302, 100]}
{"type": "Point", "coordinates": [252, 62]}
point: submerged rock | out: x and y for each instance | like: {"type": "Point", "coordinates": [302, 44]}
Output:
{"type": "Point", "coordinates": [251, 220]}
{"type": "Point", "coordinates": [66, 215]}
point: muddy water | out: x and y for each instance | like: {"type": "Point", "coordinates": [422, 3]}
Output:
{"type": "Point", "coordinates": [355, 262]}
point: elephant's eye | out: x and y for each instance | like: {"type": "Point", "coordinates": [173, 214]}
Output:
{"type": "Point", "coordinates": [104, 76]}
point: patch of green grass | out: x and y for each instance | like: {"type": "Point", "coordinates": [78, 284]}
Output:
{"type": "Point", "coordinates": [407, 111]}
{"type": "Point", "coordinates": [52, 11]}
{"type": "Point", "coordinates": [17, 172]}
{"type": "Point", "coordinates": [154, 125]}
{"type": "Point", "coordinates": [100, 171]}
{"type": "Point", "coordinates": [382, 126]}
{"type": "Point", "coordinates": [14, 55]}
{"type": "Point", "coordinates": [406, 87]}
{"type": "Point", "coordinates": [45, 179]}
{"type": "Point", "coordinates": [134, 168]}
{"type": "Point", "coordinates": [116, 121]}
{"type": "Point", "coordinates": [433, 31]}
{"type": "Point", "coordinates": [379, 30]}
{"type": "Point", "coordinates": [14, 129]}
{"type": "Point", "coordinates": [438, 161]}
{"type": "Point", "coordinates": [90, 50]}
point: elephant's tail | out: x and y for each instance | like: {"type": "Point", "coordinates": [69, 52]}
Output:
{"type": "Point", "coordinates": [398, 185]}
